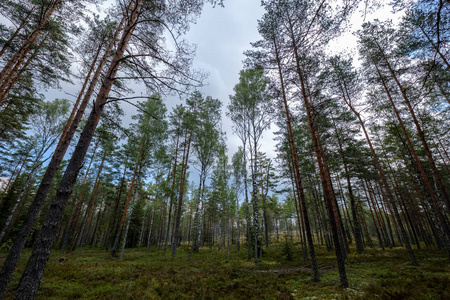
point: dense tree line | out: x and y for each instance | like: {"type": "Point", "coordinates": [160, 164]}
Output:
{"type": "Point", "coordinates": [362, 152]}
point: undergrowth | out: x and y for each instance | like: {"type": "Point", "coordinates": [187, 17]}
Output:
{"type": "Point", "coordinates": [143, 274]}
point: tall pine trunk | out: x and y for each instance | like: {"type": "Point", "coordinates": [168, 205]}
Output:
{"type": "Point", "coordinates": [180, 198]}
{"type": "Point", "coordinates": [31, 278]}
{"type": "Point", "coordinates": [442, 218]}
{"type": "Point", "coordinates": [420, 133]}
{"type": "Point", "coordinates": [356, 226]}
{"type": "Point", "coordinates": [130, 215]}
{"type": "Point", "coordinates": [298, 181]}
{"type": "Point", "coordinates": [383, 178]}
{"type": "Point", "coordinates": [50, 173]}
{"type": "Point", "coordinates": [254, 169]}
{"type": "Point", "coordinates": [247, 215]}
{"type": "Point", "coordinates": [323, 170]}
{"type": "Point", "coordinates": [127, 203]}
{"type": "Point", "coordinates": [174, 175]}
{"type": "Point", "coordinates": [16, 60]}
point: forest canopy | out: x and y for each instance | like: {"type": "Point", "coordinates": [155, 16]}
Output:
{"type": "Point", "coordinates": [361, 158]}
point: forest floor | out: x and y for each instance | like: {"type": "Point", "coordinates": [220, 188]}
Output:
{"type": "Point", "coordinates": [142, 274]}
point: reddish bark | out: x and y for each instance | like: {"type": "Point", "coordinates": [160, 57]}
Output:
{"type": "Point", "coordinates": [16, 60]}
{"type": "Point", "coordinates": [127, 203]}
{"type": "Point", "coordinates": [298, 181]}
{"type": "Point", "coordinates": [32, 276]}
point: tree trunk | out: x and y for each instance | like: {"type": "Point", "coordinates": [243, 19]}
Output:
{"type": "Point", "coordinates": [18, 29]}
{"type": "Point", "coordinates": [94, 232]}
{"type": "Point", "coordinates": [95, 193]}
{"type": "Point", "coordinates": [372, 198]}
{"type": "Point", "coordinates": [130, 215]}
{"type": "Point", "coordinates": [171, 195]}
{"type": "Point", "coordinates": [266, 230]}
{"type": "Point", "coordinates": [127, 203]}
{"type": "Point", "coordinates": [384, 180]}
{"type": "Point", "coordinates": [150, 228]}
{"type": "Point", "coordinates": [249, 244]}
{"type": "Point", "coordinates": [29, 283]}
{"type": "Point", "coordinates": [254, 196]}
{"type": "Point", "coordinates": [299, 215]}
{"type": "Point", "coordinates": [356, 225]}
{"type": "Point", "coordinates": [180, 198]}
{"type": "Point", "coordinates": [324, 174]}
{"type": "Point", "coordinates": [196, 216]}
{"type": "Point", "coordinates": [19, 56]}
{"type": "Point", "coordinates": [298, 181]}
{"type": "Point", "coordinates": [44, 187]}
{"type": "Point", "coordinates": [73, 224]}
{"type": "Point", "coordinates": [376, 225]}
{"type": "Point", "coordinates": [442, 218]}
{"type": "Point", "coordinates": [112, 227]}
{"type": "Point", "coordinates": [238, 225]}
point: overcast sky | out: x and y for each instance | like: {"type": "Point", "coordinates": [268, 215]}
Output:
{"type": "Point", "coordinates": [221, 36]}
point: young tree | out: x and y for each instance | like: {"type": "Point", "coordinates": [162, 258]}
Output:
{"type": "Point", "coordinates": [240, 127]}
{"type": "Point", "coordinates": [150, 134]}
{"type": "Point", "coordinates": [251, 105]}
{"type": "Point", "coordinates": [238, 171]}
{"type": "Point", "coordinates": [205, 144]}
{"type": "Point", "coordinates": [188, 124]}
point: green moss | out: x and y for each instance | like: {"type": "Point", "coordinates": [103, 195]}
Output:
{"type": "Point", "coordinates": [151, 275]}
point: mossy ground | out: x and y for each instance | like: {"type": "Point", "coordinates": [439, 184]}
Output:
{"type": "Point", "coordinates": [142, 274]}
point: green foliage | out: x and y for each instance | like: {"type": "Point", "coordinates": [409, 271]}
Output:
{"type": "Point", "coordinates": [287, 250]}
{"type": "Point", "coordinates": [151, 275]}
{"type": "Point", "coordinates": [21, 102]}
{"type": "Point", "coordinates": [6, 246]}
{"type": "Point", "coordinates": [10, 197]}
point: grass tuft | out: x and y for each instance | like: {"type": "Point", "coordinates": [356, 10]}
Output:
{"type": "Point", "coordinates": [143, 274]}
